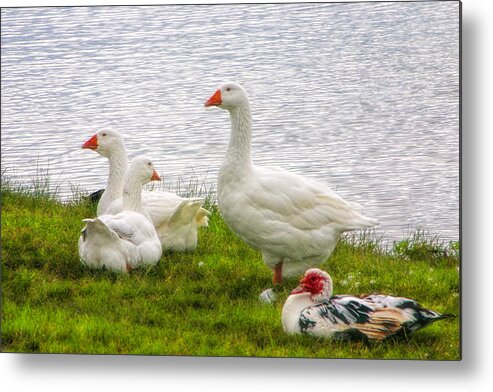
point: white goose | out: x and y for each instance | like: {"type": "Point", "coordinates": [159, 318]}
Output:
{"type": "Point", "coordinates": [311, 309]}
{"type": "Point", "coordinates": [175, 218]}
{"type": "Point", "coordinates": [294, 221]}
{"type": "Point", "coordinates": [127, 239]}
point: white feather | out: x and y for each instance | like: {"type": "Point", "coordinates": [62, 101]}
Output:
{"type": "Point", "coordinates": [289, 218]}
{"type": "Point", "coordinates": [127, 239]}
{"type": "Point", "coordinates": [162, 208]}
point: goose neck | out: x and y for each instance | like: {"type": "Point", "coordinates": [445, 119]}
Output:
{"type": "Point", "coordinates": [132, 195]}
{"type": "Point", "coordinates": [240, 141]}
{"type": "Point", "coordinates": [118, 164]}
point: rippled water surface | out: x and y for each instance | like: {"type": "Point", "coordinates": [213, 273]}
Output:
{"type": "Point", "coordinates": [362, 96]}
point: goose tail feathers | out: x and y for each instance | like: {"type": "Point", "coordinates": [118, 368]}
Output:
{"type": "Point", "coordinates": [185, 213]}
{"type": "Point", "coordinates": [98, 231]}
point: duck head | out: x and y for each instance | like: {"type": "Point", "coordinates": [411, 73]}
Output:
{"type": "Point", "coordinates": [317, 283]}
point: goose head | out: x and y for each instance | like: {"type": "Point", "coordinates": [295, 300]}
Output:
{"type": "Point", "coordinates": [141, 169]}
{"type": "Point", "coordinates": [105, 142]}
{"type": "Point", "coordinates": [229, 96]}
{"type": "Point", "coordinates": [316, 283]}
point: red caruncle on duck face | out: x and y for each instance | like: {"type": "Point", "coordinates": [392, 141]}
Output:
{"type": "Point", "coordinates": [312, 283]}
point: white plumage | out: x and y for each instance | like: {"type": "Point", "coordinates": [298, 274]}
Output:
{"type": "Point", "coordinates": [127, 239]}
{"type": "Point", "coordinates": [175, 218]}
{"type": "Point", "coordinates": [294, 221]}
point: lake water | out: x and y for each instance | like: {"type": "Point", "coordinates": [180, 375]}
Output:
{"type": "Point", "coordinates": [363, 96]}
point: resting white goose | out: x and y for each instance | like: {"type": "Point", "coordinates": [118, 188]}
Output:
{"type": "Point", "coordinates": [294, 221]}
{"type": "Point", "coordinates": [127, 239]}
{"type": "Point", "coordinates": [311, 309]}
{"type": "Point", "coordinates": [175, 218]}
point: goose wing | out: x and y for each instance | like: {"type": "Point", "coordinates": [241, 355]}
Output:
{"type": "Point", "coordinates": [303, 203]}
{"type": "Point", "coordinates": [129, 226]}
{"type": "Point", "coordinates": [162, 206]}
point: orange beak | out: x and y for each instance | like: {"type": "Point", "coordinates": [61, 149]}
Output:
{"type": "Point", "coordinates": [92, 143]}
{"type": "Point", "coordinates": [215, 100]}
{"type": "Point", "coordinates": [155, 176]}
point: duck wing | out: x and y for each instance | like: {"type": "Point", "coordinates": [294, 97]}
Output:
{"type": "Point", "coordinates": [375, 317]}
{"type": "Point", "coordinates": [351, 318]}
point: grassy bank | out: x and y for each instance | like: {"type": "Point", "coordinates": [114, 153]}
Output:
{"type": "Point", "coordinates": [203, 303]}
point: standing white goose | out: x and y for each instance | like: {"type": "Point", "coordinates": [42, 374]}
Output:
{"type": "Point", "coordinates": [311, 309]}
{"type": "Point", "coordinates": [127, 239]}
{"type": "Point", "coordinates": [175, 218]}
{"type": "Point", "coordinates": [294, 221]}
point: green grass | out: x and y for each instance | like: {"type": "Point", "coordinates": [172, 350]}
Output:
{"type": "Point", "coordinates": [203, 303]}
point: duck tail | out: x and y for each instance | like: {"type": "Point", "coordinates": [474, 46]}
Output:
{"type": "Point", "coordinates": [425, 317]}
{"type": "Point", "coordinates": [431, 314]}
{"type": "Point", "coordinates": [441, 316]}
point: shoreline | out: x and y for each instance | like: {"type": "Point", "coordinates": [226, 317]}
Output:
{"type": "Point", "coordinates": [196, 187]}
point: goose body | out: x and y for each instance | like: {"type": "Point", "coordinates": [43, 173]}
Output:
{"type": "Point", "coordinates": [294, 221]}
{"type": "Point", "coordinates": [176, 219]}
{"type": "Point", "coordinates": [126, 240]}
{"type": "Point", "coordinates": [311, 309]}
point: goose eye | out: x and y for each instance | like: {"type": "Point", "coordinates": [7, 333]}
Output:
{"type": "Point", "coordinates": [103, 134]}
{"type": "Point", "coordinates": [228, 88]}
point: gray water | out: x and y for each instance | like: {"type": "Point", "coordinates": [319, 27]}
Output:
{"type": "Point", "coordinates": [363, 96]}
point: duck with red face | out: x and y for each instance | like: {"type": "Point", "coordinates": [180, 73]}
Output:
{"type": "Point", "coordinates": [311, 309]}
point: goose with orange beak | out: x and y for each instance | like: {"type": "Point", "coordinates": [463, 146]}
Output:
{"type": "Point", "coordinates": [294, 221]}
{"type": "Point", "coordinates": [126, 240]}
{"type": "Point", "coordinates": [176, 219]}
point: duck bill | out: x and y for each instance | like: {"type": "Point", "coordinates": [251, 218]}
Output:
{"type": "Point", "coordinates": [214, 100]}
{"type": "Point", "coordinates": [91, 144]}
{"type": "Point", "coordinates": [155, 176]}
{"type": "Point", "coordinates": [298, 290]}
